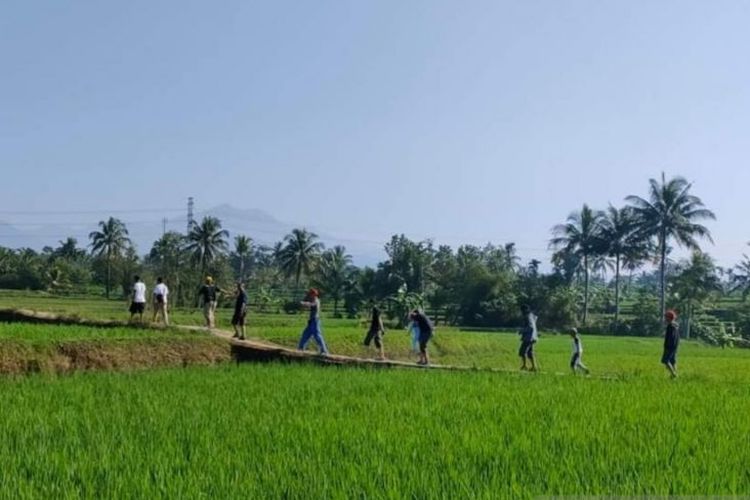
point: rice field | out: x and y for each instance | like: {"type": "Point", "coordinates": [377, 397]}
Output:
{"type": "Point", "coordinates": [295, 431]}
{"type": "Point", "coordinates": [305, 431]}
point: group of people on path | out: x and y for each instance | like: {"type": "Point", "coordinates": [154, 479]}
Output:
{"type": "Point", "coordinates": [208, 295]}
{"type": "Point", "coordinates": [159, 299]}
{"type": "Point", "coordinates": [529, 336]}
{"type": "Point", "coordinates": [420, 327]}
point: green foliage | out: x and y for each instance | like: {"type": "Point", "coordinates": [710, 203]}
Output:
{"type": "Point", "coordinates": [670, 213]}
{"type": "Point", "coordinates": [276, 431]}
{"type": "Point", "coordinates": [299, 254]}
{"type": "Point", "coordinates": [241, 257]}
{"type": "Point", "coordinates": [646, 319]}
{"type": "Point", "coordinates": [206, 243]}
{"type": "Point", "coordinates": [335, 275]}
{"type": "Point", "coordinates": [109, 244]}
{"type": "Point", "coordinates": [401, 303]}
{"type": "Point", "coordinates": [578, 243]}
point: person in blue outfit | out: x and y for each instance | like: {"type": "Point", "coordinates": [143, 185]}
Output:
{"type": "Point", "coordinates": [426, 330]}
{"type": "Point", "coordinates": [312, 330]}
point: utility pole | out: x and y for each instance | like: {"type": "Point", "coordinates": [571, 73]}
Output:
{"type": "Point", "coordinates": [190, 220]}
{"type": "Point", "coordinates": [164, 226]}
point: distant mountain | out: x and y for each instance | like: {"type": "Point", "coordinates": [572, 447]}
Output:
{"type": "Point", "coordinates": [261, 226]}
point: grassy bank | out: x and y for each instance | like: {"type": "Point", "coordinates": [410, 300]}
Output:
{"type": "Point", "coordinates": [27, 348]}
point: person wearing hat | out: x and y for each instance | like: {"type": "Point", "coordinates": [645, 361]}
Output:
{"type": "Point", "coordinates": [671, 343]}
{"type": "Point", "coordinates": [208, 294]}
{"type": "Point", "coordinates": [312, 330]}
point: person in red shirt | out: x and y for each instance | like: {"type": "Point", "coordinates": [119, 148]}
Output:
{"type": "Point", "coordinates": [671, 343]}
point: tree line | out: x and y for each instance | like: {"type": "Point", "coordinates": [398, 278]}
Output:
{"type": "Point", "coordinates": [469, 285]}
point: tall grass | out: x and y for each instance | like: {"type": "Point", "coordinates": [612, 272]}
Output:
{"type": "Point", "coordinates": [260, 431]}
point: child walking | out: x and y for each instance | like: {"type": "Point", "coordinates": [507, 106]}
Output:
{"type": "Point", "coordinates": [575, 361]}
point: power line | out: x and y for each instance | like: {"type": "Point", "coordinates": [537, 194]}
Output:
{"type": "Point", "coordinates": [85, 212]}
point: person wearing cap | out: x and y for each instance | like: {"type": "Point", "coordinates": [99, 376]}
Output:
{"type": "Point", "coordinates": [312, 330]}
{"type": "Point", "coordinates": [208, 294]}
{"type": "Point", "coordinates": [671, 343]}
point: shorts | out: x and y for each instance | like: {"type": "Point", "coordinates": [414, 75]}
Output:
{"type": "Point", "coordinates": [527, 349]}
{"type": "Point", "coordinates": [669, 356]}
{"type": "Point", "coordinates": [238, 319]}
{"type": "Point", "coordinates": [137, 307]}
{"type": "Point", "coordinates": [374, 335]}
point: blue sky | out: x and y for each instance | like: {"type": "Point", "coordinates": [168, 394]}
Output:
{"type": "Point", "coordinates": [463, 121]}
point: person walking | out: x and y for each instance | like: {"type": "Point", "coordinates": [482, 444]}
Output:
{"type": "Point", "coordinates": [529, 336]}
{"type": "Point", "coordinates": [240, 312]}
{"type": "Point", "coordinates": [376, 332]}
{"type": "Point", "coordinates": [575, 361]}
{"type": "Point", "coordinates": [414, 334]}
{"type": "Point", "coordinates": [208, 294]}
{"type": "Point", "coordinates": [161, 301]}
{"type": "Point", "coordinates": [312, 330]}
{"type": "Point", "coordinates": [671, 343]}
{"type": "Point", "coordinates": [138, 303]}
{"type": "Point", "coordinates": [425, 334]}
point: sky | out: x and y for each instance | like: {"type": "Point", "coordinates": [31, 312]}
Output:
{"type": "Point", "coordinates": [465, 122]}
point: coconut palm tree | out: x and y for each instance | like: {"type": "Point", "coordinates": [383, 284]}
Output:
{"type": "Point", "coordinates": [697, 280]}
{"type": "Point", "coordinates": [68, 249]}
{"type": "Point", "coordinates": [207, 241]}
{"type": "Point", "coordinates": [168, 259]}
{"type": "Point", "coordinates": [579, 238]}
{"type": "Point", "coordinates": [334, 274]}
{"type": "Point", "coordinates": [670, 212]}
{"type": "Point", "coordinates": [299, 253]}
{"type": "Point", "coordinates": [617, 236]}
{"type": "Point", "coordinates": [243, 248]}
{"type": "Point", "coordinates": [109, 242]}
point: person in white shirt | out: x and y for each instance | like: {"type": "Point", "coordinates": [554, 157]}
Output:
{"type": "Point", "coordinates": [161, 301]}
{"type": "Point", "coordinates": [575, 361]}
{"type": "Point", "coordinates": [138, 305]}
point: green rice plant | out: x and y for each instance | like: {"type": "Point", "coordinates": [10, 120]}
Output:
{"type": "Point", "coordinates": [295, 431]}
